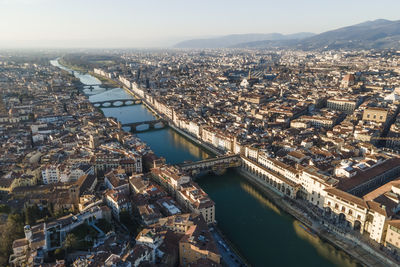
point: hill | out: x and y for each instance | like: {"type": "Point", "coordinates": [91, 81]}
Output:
{"type": "Point", "coordinates": [236, 39]}
{"type": "Point", "coordinates": [377, 34]}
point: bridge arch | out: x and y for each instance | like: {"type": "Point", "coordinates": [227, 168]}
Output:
{"type": "Point", "coordinates": [117, 102]}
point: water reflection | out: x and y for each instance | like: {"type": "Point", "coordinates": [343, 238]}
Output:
{"type": "Point", "coordinates": [324, 249]}
{"type": "Point", "coordinates": [183, 143]}
{"type": "Point", "coordinates": [84, 78]}
{"type": "Point", "coordinates": [259, 196]}
{"type": "Point", "coordinates": [94, 91]}
{"type": "Point", "coordinates": [116, 93]}
{"type": "Point", "coordinates": [172, 146]}
{"type": "Point", "coordinates": [266, 236]}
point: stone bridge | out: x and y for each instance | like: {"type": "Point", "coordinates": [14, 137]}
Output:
{"type": "Point", "coordinates": [153, 124]}
{"type": "Point", "coordinates": [217, 165]}
{"type": "Point", "coordinates": [114, 103]}
{"type": "Point", "coordinates": [82, 87]}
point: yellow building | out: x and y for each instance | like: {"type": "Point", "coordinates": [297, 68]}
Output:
{"type": "Point", "coordinates": [197, 243]}
{"type": "Point", "coordinates": [375, 114]}
{"type": "Point", "coordinates": [253, 98]}
{"type": "Point", "coordinates": [393, 235]}
{"type": "Point", "coordinates": [341, 104]}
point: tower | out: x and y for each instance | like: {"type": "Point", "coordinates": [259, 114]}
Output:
{"type": "Point", "coordinates": [93, 141]}
{"type": "Point", "coordinates": [28, 232]}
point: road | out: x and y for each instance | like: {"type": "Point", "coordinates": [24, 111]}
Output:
{"type": "Point", "coordinates": [229, 257]}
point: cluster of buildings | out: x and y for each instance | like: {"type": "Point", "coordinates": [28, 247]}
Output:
{"type": "Point", "coordinates": [61, 155]}
{"type": "Point", "coordinates": [319, 127]}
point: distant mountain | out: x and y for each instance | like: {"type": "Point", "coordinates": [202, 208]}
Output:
{"type": "Point", "coordinates": [236, 39]}
{"type": "Point", "coordinates": [378, 34]}
{"type": "Point", "coordinates": [371, 34]}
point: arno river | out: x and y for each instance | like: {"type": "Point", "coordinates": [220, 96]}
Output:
{"type": "Point", "coordinates": [263, 234]}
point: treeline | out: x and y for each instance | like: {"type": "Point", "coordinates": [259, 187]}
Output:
{"type": "Point", "coordinates": [13, 228]}
{"type": "Point", "coordinates": [26, 56]}
{"type": "Point", "coordinates": [89, 61]}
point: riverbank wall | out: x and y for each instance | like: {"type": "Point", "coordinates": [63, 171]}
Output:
{"type": "Point", "coordinates": [350, 245]}
{"type": "Point", "coordinates": [175, 128]}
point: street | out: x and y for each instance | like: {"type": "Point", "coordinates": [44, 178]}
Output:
{"type": "Point", "coordinates": [229, 257]}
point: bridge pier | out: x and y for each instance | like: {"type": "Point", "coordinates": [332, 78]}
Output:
{"type": "Point", "coordinates": [217, 165]}
{"type": "Point", "coordinates": [151, 124]}
{"type": "Point", "coordinates": [101, 104]}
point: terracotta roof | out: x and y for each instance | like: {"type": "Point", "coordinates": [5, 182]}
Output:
{"type": "Point", "coordinates": [377, 207]}
{"type": "Point", "coordinates": [394, 223]}
{"type": "Point", "coordinates": [370, 174]}
{"type": "Point", "coordinates": [346, 196]}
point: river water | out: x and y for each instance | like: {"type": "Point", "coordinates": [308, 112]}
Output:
{"type": "Point", "coordinates": [262, 233]}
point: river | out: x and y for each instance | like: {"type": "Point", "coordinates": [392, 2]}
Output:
{"type": "Point", "coordinates": [262, 233]}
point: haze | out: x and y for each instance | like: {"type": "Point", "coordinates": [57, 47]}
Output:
{"type": "Point", "coordinates": [152, 23]}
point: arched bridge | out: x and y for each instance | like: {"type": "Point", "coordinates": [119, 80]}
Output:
{"type": "Point", "coordinates": [152, 125]}
{"type": "Point", "coordinates": [217, 165]}
{"type": "Point", "coordinates": [116, 103]}
{"type": "Point", "coordinates": [82, 87]}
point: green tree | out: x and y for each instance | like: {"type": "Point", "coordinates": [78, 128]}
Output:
{"type": "Point", "coordinates": [30, 215]}
{"type": "Point", "coordinates": [4, 208]}
{"type": "Point", "coordinates": [12, 230]}
{"type": "Point", "coordinates": [104, 225]}
{"type": "Point", "coordinates": [70, 242]}
{"type": "Point", "coordinates": [59, 254]}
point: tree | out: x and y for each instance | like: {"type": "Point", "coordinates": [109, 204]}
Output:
{"type": "Point", "coordinates": [4, 208]}
{"type": "Point", "coordinates": [30, 215]}
{"type": "Point", "coordinates": [13, 229]}
{"type": "Point", "coordinates": [34, 213]}
{"type": "Point", "coordinates": [104, 225]}
{"type": "Point", "coordinates": [59, 254]}
{"type": "Point", "coordinates": [70, 243]}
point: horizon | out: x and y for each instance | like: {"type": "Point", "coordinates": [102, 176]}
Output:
{"type": "Point", "coordinates": [157, 24]}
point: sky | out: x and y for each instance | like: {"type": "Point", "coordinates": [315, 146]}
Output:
{"type": "Point", "coordinates": [162, 23]}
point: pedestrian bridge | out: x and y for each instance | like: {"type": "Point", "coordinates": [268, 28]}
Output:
{"type": "Point", "coordinates": [217, 165]}
{"type": "Point", "coordinates": [116, 103]}
{"type": "Point", "coordinates": [152, 125]}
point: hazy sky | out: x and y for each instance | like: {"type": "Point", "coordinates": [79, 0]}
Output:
{"type": "Point", "coordinates": [156, 23]}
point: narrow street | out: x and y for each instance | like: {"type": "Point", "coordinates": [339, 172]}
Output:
{"type": "Point", "coordinates": [229, 257]}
